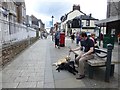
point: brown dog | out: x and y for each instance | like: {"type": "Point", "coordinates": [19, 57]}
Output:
{"type": "Point", "coordinates": [64, 60]}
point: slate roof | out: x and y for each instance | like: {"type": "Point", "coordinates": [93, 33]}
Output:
{"type": "Point", "coordinates": [85, 17]}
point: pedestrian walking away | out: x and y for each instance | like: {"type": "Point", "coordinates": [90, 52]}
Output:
{"type": "Point", "coordinates": [77, 38]}
{"type": "Point", "coordinates": [72, 37]}
{"type": "Point", "coordinates": [57, 36]}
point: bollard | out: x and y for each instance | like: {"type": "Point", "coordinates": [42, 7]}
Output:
{"type": "Point", "coordinates": [108, 62]}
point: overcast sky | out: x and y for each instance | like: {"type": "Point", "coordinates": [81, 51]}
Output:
{"type": "Point", "coordinates": [44, 9]}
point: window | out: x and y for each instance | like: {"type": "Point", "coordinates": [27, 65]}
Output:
{"type": "Point", "coordinates": [75, 23]}
{"type": "Point", "coordinates": [87, 22]}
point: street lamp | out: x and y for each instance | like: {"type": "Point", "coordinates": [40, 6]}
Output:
{"type": "Point", "coordinates": [52, 20]}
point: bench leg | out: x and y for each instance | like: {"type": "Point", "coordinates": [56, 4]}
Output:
{"type": "Point", "coordinates": [76, 56]}
{"type": "Point", "coordinates": [90, 71]}
{"type": "Point", "coordinates": [112, 70]}
{"type": "Point", "coordinates": [76, 61]}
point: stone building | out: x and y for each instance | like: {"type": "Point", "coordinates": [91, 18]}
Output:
{"type": "Point", "coordinates": [12, 18]}
{"type": "Point", "coordinates": [35, 23]}
{"type": "Point", "coordinates": [21, 12]}
{"type": "Point", "coordinates": [28, 21]}
{"type": "Point", "coordinates": [13, 11]}
{"type": "Point", "coordinates": [112, 22]}
{"type": "Point", "coordinates": [41, 25]}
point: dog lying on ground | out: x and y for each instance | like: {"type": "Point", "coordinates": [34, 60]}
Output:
{"type": "Point", "coordinates": [66, 64]}
{"type": "Point", "coordinates": [64, 60]}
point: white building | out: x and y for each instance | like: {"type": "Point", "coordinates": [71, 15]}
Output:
{"type": "Point", "coordinates": [69, 16]}
{"type": "Point", "coordinates": [76, 20]}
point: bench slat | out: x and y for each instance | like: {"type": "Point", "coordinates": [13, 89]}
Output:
{"type": "Point", "coordinates": [96, 62]}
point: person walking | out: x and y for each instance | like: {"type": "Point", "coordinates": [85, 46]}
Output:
{"type": "Point", "coordinates": [85, 54]}
{"type": "Point", "coordinates": [77, 38]}
{"type": "Point", "coordinates": [94, 40]}
{"type": "Point", "coordinates": [57, 36]}
{"type": "Point", "coordinates": [72, 37]}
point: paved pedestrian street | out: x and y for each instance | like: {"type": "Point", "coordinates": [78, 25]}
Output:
{"type": "Point", "coordinates": [33, 69]}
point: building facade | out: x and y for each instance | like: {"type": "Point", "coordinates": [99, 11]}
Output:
{"type": "Point", "coordinates": [41, 25]}
{"type": "Point", "coordinates": [113, 11]}
{"type": "Point", "coordinates": [35, 23]}
{"type": "Point", "coordinates": [77, 21]}
{"type": "Point", "coordinates": [28, 21]}
{"type": "Point", "coordinates": [21, 12]}
{"type": "Point", "coordinates": [13, 11]}
{"type": "Point", "coordinates": [11, 22]}
{"type": "Point", "coordinates": [69, 16]}
{"type": "Point", "coordinates": [112, 22]}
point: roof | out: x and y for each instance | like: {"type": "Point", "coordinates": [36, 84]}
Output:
{"type": "Point", "coordinates": [85, 17]}
{"type": "Point", "coordinates": [66, 15]}
{"type": "Point", "coordinates": [74, 10]}
{"type": "Point", "coordinates": [104, 21]}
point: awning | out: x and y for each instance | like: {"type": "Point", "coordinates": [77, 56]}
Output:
{"type": "Point", "coordinates": [102, 23]}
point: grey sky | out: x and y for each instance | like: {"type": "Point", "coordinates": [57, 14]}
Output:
{"type": "Point", "coordinates": [53, 8]}
{"type": "Point", "coordinates": [44, 9]}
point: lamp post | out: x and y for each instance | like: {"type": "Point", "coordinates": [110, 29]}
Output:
{"type": "Point", "coordinates": [52, 20]}
{"type": "Point", "coordinates": [52, 28]}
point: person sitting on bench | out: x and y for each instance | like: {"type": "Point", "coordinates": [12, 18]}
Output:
{"type": "Point", "coordinates": [85, 54]}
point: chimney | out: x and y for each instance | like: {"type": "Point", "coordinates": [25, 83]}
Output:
{"type": "Point", "coordinates": [90, 15]}
{"type": "Point", "coordinates": [76, 7]}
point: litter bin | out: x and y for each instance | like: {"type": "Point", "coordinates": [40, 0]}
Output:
{"type": "Point", "coordinates": [108, 39]}
{"type": "Point", "coordinates": [62, 39]}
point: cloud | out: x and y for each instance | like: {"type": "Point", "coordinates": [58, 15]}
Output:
{"type": "Point", "coordinates": [44, 9]}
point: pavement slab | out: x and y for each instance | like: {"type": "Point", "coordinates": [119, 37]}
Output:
{"type": "Point", "coordinates": [33, 69]}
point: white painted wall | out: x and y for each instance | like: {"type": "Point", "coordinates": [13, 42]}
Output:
{"type": "Point", "coordinates": [88, 30]}
{"type": "Point", "coordinates": [73, 14]}
{"type": "Point", "coordinates": [70, 16]}
{"type": "Point", "coordinates": [19, 32]}
{"type": "Point", "coordinates": [92, 23]}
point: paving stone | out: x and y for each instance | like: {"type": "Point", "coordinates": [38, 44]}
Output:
{"type": "Point", "coordinates": [40, 84]}
{"type": "Point", "coordinates": [27, 85]}
{"type": "Point", "coordinates": [21, 79]}
{"type": "Point", "coordinates": [0, 85]}
{"type": "Point", "coordinates": [28, 74]}
{"type": "Point", "coordinates": [40, 75]}
{"type": "Point", "coordinates": [35, 79]}
{"type": "Point", "coordinates": [69, 83]}
{"type": "Point", "coordinates": [49, 85]}
{"type": "Point", "coordinates": [9, 85]}
{"type": "Point", "coordinates": [8, 79]}
{"type": "Point", "coordinates": [62, 75]}
{"type": "Point", "coordinates": [0, 76]}
{"type": "Point", "coordinates": [33, 69]}
{"type": "Point", "coordinates": [49, 79]}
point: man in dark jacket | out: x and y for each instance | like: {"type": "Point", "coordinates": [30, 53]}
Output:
{"type": "Point", "coordinates": [85, 54]}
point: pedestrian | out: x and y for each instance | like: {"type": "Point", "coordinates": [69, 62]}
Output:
{"type": "Point", "coordinates": [72, 37]}
{"type": "Point", "coordinates": [77, 38]}
{"type": "Point", "coordinates": [94, 40]}
{"type": "Point", "coordinates": [41, 34]}
{"type": "Point", "coordinates": [85, 54]}
{"type": "Point", "coordinates": [57, 36]}
{"type": "Point", "coordinates": [119, 39]}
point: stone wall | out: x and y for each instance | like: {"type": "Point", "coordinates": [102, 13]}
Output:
{"type": "Point", "coordinates": [8, 52]}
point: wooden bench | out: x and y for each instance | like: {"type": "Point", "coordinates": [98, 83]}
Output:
{"type": "Point", "coordinates": [101, 61]}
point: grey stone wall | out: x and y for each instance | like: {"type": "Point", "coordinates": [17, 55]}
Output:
{"type": "Point", "coordinates": [113, 9]}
